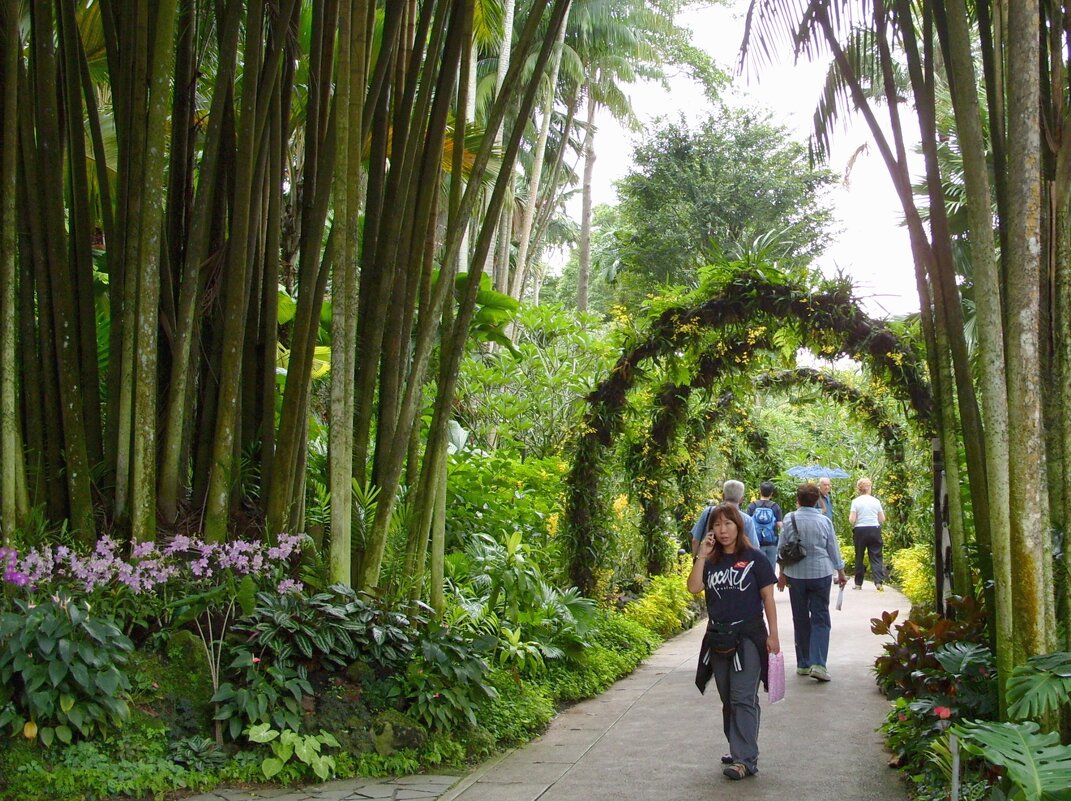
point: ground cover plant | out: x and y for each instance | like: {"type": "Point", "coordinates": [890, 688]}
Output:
{"type": "Point", "coordinates": [251, 675]}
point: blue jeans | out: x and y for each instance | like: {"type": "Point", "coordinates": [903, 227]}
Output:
{"type": "Point", "coordinates": [810, 619]}
{"type": "Point", "coordinates": [771, 553]}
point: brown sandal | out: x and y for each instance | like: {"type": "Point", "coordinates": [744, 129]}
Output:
{"type": "Point", "coordinates": [737, 771]}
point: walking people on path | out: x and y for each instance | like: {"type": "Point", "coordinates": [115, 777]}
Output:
{"type": "Point", "coordinates": [866, 517]}
{"type": "Point", "coordinates": [732, 492]}
{"type": "Point", "coordinates": [767, 514]}
{"type": "Point", "coordinates": [808, 581]}
{"type": "Point", "coordinates": [738, 581]}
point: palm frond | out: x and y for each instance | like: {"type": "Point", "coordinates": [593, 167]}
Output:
{"type": "Point", "coordinates": [835, 103]}
{"type": "Point", "coordinates": [775, 27]}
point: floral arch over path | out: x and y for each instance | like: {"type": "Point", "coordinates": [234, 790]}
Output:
{"type": "Point", "coordinates": [653, 472]}
{"type": "Point", "coordinates": [711, 340]}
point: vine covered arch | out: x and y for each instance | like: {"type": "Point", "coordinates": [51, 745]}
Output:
{"type": "Point", "coordinates": [868, 410]}
{"type": "Point", "coordinates": [652, 471]}
{"type": "Point", "coordinates": [829, 322]}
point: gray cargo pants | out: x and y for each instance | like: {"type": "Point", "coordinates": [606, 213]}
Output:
{"type": "Point", "coordinates": [739, 692]}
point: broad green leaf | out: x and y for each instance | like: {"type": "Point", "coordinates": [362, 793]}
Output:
{"type": "Point", "coordinates": [287, 307]}
{"type": "Point", "coordinates": [64, 734]}
{"type": "Point", "coordinates": [247, 595]}
{"type": "Point", "coordinates": [1040, 686]}
{"type": "Point", "coordinates": [81, 675]}
{"type": "Point", "coordinates": [78, 718]}
{"type": "Point", "coordinates": [270, 766]}
{"type": "Point", "coordinates": [323, 767]}
{"type": "Point", "coordinates": [957, 657]}
{"type": "Point", "coordinates": [284, 748]}
{"type": "Point", "coordinates": [305, 750]}
{"type": "Point", "coordinates": [491, 299]}
{"type": "Point", "coordinates": [66, 703]}
{"type": "Point", "coordinates": [261, 733]}
{"type": "Point", "coordinates": [1036, 763]}
{"type": "Point", "coordinates": [108, 681]}
{"type": "Point", "coordinates": [57, 672]}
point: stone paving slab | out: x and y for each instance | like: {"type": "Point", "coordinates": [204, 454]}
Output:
{"type": "Point", "coordinates": [406, 788]}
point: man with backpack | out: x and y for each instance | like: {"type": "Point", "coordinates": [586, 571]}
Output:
{"type": "Point", "coordinates": [732, 491]}
{"type": "Point", "coordinates": [767, 516]}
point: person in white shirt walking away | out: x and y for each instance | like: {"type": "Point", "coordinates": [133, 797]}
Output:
{"type": "Point", "coordinates": [866, 517]}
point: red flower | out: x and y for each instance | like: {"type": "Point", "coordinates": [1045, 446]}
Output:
{"type": "Point", "coordinates": [943, 712]}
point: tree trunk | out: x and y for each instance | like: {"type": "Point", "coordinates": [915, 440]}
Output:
{"type": "Point", "coordinates": [1030, 543]}
{"type": "Point", "coordinates": [535, 179]}
{"type": "Point", "coordinates": [314, 266]}
{"type": "Point", "coordinates": [191, 283]}
{"type": "Point", "coordinates": [253, 125]}
{"type": "Point", "coordinates": [500, 277]}
{"type": "Point", "coordinates": [11, 510]}
{"type": "Point", "coordinates": [988, 304]}
{"type": "Point", "coordinates": [353, 39]}
{"type": "Point", "coordinates": [80, 229]}
{"type": "Point", "coordinates": [63, 306]}
{"type": "Point", "coordinates": [583, 276]}
{"type": "Point", "coordinates": [143, 476]}
{"type": "Point", "coordinates": [388, 481]}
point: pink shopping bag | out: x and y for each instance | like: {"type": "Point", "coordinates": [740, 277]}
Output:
{"type": "Point", "coordinates": [777, 677]}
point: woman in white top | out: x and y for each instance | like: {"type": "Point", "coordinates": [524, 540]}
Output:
{"type": "Point", "coordinates": [866, 517]}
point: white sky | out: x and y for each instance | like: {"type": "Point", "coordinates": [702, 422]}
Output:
{"type": "Point", "coordinates": [872, 246]}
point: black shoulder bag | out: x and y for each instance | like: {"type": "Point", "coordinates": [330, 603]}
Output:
{"type": "Point", "coordinates": [791, 550]}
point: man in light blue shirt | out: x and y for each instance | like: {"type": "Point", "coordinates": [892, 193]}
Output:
{"type": "Point", "coordinates": [732, 491]}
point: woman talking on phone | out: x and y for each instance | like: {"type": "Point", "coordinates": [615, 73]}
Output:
{"type": "Point", "coordinates": [738, 581]}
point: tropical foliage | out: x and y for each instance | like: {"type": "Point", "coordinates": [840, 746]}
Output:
{"type": "Point", "coordinates": [291, 454]}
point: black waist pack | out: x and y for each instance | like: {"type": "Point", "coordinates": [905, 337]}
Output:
{"type": "Point", "coordinates": [724, 637]}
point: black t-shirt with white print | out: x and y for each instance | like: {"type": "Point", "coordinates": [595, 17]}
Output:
{"type": "Point", "coordinates": [732, 585]}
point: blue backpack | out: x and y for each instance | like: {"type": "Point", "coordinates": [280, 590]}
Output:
{"type": "Point", "coordinates": [765, 525]}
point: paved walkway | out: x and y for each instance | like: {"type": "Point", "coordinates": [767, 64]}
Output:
{"type": "Point", "coordinates": [653, 737]}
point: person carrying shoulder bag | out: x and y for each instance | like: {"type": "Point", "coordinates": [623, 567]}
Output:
{"type": "Point", "coordinates": [808, 581]}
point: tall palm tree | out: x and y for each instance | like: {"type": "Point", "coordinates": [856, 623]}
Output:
{"type": "Point", "coordinates": [1005, 465]}
{"type": "Point", "coordinates": [616, 44]}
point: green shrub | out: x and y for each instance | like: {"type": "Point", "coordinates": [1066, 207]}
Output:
{"type": "Point", "coordinates": [912, 570]}
{"type": "Point", "coordinates": [291, 749]}
{"type": "Point", "coordinates": [133, 764]}
{"type": "Point", "coordinates": [520, 710]}
{"type": "Point", "coordinates": [910, 666]}
{"type": "Point", "coordinates": [443, 750]}
{"type": "Point", "coordinates": [666, 606]}
{"type": "Point", "coordinates": [270, 694]}
{"type": "Point", "coordinates": [61, 671]}
{"type": "Point", "coordinates": [400, 763]}
{"type": "Point", "coordinates": [625, 635]}
{"type": "Point", "coordinates": [446, 680]}
{"type": "Point", "coordinates": [588, 674]}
